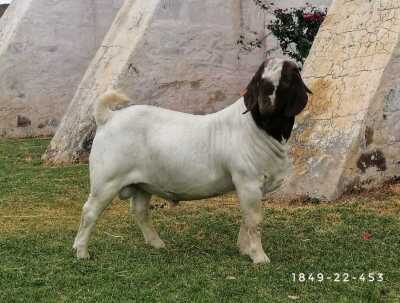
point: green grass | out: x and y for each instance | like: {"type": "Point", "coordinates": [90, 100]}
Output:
{"type": "Point", "coordinates": [39, 214]}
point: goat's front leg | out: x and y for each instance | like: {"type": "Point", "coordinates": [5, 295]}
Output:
{"type": "Point", "coordinates": [249, 240]}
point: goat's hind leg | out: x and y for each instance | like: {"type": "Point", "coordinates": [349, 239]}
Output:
{"type": "Point", "coordinates": [91, 210]}
{"type": "Point", "coordinates": [140, 206]}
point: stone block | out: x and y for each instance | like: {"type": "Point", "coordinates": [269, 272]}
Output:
{"type": "Point", "coordinates": [45, 49]}
{"type": "Point", "coordinates": [176, 54]}
{"type": "Point", "coordinates": [348, 136]}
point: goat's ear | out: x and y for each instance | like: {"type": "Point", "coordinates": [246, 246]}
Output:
{"type": "Point", "coordinates": [295, 105]}
{"type": "Point", "coordinates": [253, 90]}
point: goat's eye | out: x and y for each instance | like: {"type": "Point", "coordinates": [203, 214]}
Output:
{"type": "Point", "coordinates": [268, 88]}
{"type": "Point", "coordinates": [269, 91]}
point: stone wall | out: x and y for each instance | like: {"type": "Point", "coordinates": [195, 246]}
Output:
{"type": "Point", "coordinates": [164, 53]}
{"type": "Point", "coordinates": [3, 8]}
{"type": "Point", "coordinates": [349, 135]}
{"type": "Point", "coordinates": [45, 48]}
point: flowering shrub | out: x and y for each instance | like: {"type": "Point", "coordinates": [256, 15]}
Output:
{"type": "Point", "coordinates": [295, 29]}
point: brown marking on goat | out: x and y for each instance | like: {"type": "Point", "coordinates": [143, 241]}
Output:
{"type": "Point", "coordinates": [252, 91]}
{"type": "Point", "coordinates": [276, 118]}
{"type": "Point", "coordinates": [291, 93]}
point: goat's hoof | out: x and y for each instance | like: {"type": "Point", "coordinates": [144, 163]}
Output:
{"type": "Point", "coordinates": [157, 243]}
{"type": "Point", "coordinates": [82, 254]}
{"type": "Point", "coordinates": [261, 259]}
{"type": "Point", "coordinates": [244, 251]}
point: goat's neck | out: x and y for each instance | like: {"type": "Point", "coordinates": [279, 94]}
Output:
{"type": "Point", "coordinates": [250, 140]}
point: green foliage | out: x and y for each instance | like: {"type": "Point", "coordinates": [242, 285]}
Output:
{"type": "Point", "coordinates": [296, 28]}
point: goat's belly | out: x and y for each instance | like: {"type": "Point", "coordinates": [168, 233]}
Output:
{"type": "Point", "coordinates": [188, 191]}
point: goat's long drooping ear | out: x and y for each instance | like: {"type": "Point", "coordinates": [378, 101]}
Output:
{"type": "Point", "coordinates": [253, 90]}
{"type": "Point", "coordinates": [298, 103]}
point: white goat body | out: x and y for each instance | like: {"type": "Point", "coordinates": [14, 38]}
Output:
{"type": "Point", "coordinates": [180, 156]}
{"type": "Point", "coordinates": [143, 150]}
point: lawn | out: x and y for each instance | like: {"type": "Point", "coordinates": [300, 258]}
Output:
{"type": "Point", "coordinates": [40, 211]}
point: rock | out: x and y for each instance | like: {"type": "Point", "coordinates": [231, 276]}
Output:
{"type": "Point", "coordinates": [23, 121]}
{"type": "Point", "coordinates": [348, 135]}
{"type": "Point", "coordinates": [45, 48]}
{"type": "Point", "coordinates": [3, 8]}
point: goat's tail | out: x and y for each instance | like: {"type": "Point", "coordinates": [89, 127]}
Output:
{"type": "Point", "coordinates": [102, 111]}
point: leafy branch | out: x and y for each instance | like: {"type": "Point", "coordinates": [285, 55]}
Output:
{"type": "Point", "coordinates": [295, 29]}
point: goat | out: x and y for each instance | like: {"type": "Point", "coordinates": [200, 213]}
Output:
{"type": "Point", "coordinates": [141, 150]}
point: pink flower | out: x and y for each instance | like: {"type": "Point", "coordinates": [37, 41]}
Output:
{"type": "Point", "coordinates": [308, 16]}
{"type": "Point", "coordinates": [366, 236]}
{"type": "Point", "coordinates": [312, 16]}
